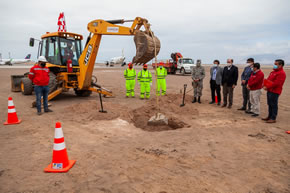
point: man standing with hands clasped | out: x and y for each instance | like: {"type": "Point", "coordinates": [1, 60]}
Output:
{"type": "Point", "coordinates": [229, 81]}
{"type": "Point", "coordinates": [197, 75]}
{"type": "Point", "coordinates": [255, 84]}
{"type": "Point", "coordinates": [245, 78]}
{"type": "Point", "coordinates": [216, 74]}
{"type": "Point", "coordinates": [274, 85]}
{"type": "Point", "coordinates": [145, 82]}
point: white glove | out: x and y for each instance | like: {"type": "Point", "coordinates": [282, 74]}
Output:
{"type": "Point", "coordinates": [150, 83]}
{"type": "Point", "coordinates": [139, 83]}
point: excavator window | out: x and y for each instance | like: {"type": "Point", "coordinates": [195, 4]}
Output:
{"type": "Point", "coordinates": [70, 49]}
{"type": "Point", "coordinates": [53, 55]}
{"type": "Point", "coordinates": [43, 51]}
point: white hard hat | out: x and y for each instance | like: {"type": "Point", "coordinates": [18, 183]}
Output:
{"type": "Point", "coordinates": [42, 59]}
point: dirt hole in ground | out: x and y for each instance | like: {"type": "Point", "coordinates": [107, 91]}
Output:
{"type": "Point", "coordinates": [169, 106]}
{"type": "Point", "coordinates": [140, 120]}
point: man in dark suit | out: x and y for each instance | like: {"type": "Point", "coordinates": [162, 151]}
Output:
{"type": "Point", "coordinates": [216, 75]}
{"type": "Point", "coordinates": [244, 79]}
{"type": "Point", "coordinates": [229, 81]}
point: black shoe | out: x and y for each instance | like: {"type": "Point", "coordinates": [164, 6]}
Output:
{"type": "Point", "coordinates": [194, 100]}
{"type": "Point", "coordinates": [249, 112]}
{"type": "Point", "coordinates": [39, 113]}
{"type": "Point", "coordinates": [199, 100]}
{"type": "Point", "coordinates": [224, 105]}
{"type": "Point", "coordinates": [255, 115]}
{"type": "Point", "coordinates": [230, 106]}
{"type": "Point", "coordinates": [242, 109]}
{"type": "Point", "coordinates": [47, 110]}
{"type": "Point", "coordinates": [219, 103]}
{"type": "Point", "coordinates": [212, 102]}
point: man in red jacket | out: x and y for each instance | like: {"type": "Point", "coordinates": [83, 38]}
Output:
{"type": "Point", "coordinates": [255, 84]}
{"type": "Point", "coordinates": [39, 75]}
{"type": "Point", "coordinates": [274, 87]}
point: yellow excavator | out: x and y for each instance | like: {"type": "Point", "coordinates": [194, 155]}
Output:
{"type": "Point", "coordinates": [70, 67]}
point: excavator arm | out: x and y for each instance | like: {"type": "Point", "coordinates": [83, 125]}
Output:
{"type": "Point", "coordinates": [145, 42]}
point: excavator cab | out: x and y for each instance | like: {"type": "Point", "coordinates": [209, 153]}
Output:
{"type": "Point", "coordinates": [61, 49]}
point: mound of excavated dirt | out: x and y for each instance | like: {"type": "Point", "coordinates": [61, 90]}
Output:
{"type": "Point", "coordinates": [89, 111]}
{"type": "Point", "coordinates": [170, 107]}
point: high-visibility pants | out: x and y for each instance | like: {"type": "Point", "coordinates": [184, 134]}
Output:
{"type": "Point", "coordinates": [145, 88]}
{"type": "Point", "coordinates": [130, 85]}
{"type": "Point", "coordinates": [161, 84]}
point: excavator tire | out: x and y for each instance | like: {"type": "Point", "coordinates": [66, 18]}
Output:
{"type": "Point", "coordinates": [26, 86]}
{"type": "Point", "coordinates": [145, 48]}
{"type": "Point", "coordinates": [83, 93]}
{"type": "Point", "coordinates": [52, 82]}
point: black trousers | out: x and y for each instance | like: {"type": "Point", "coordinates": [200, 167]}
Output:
{"type": "Point", "coordinates": [272, 101]}
{"type": "Point", "coordinates": [246, 97]}
{"type": "Point", "coordinates": [215, 89]}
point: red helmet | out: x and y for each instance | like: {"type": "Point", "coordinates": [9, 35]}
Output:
{"type": "Point", "coordinates": [145, 66]}
{"type": "Point", "coordinates": [161, 63]}
{"type": "Point", "coordinates": [130, 64]}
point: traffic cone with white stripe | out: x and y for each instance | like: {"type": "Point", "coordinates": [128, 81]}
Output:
{"type": "Point", "coordinates": [60, 161]}
{"type": "Point", "coordinates": [12, 116]}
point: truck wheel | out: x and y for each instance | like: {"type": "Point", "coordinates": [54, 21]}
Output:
{"type": "Point", "coordinates": [83, 93]}
{"type": "Point", "coordinates": [182, 71]}
{"type": "Point", "coordinates": [26, 86]}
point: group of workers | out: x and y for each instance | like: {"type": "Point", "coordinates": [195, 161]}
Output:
{"type": "Point", "coordinates": [252, 81]}
{"type": "Point", "coordinates": [144, 79]}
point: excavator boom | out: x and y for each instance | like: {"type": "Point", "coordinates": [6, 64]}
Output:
{"type": "Point", "coordinates": [145, 42]}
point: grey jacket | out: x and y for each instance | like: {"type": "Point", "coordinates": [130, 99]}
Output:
{"type": "Point", "coordinates": [219, 74]}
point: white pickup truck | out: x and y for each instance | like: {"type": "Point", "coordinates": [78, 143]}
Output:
{"type": "Point", "coordinates": [185, 65]}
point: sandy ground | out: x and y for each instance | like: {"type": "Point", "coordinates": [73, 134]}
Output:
{"type": "Point", "coordinates": [217, 151]}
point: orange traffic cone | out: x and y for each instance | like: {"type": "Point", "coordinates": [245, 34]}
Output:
{"type": "Point", "coordinates": [60, 162]}
{"type": "Point", "coordinates": [12, 116]}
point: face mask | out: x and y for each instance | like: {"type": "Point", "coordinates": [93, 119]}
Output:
{"type": "Point", "coordinates": [229, 64]}
{"type": "Point", "coordinates": [42, 64]}
{"type": "Point", "coordinates": [144, 69]}
{"type": "Point", "coordinates": [252, 69]}
{"type": "Point", "coordinates": [275, 67]}
{"type": "Point", "coordinates": [160, 67]}
{"type": "Point", "coordinates": [215, 65]}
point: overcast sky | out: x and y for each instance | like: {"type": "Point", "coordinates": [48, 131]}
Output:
{"type": "Point", "coordinates": [200, 29]}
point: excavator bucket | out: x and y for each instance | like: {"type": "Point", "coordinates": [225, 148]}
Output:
{"type": "Point", "coordinates": [145, 47]}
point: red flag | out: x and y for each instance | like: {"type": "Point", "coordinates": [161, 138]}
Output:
{"type": "Point", "coordinates": [61, 23]}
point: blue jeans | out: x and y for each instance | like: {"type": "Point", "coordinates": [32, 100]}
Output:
{"type": "Point", "coordinates": [272, 101]}
{"type": "Point", "coordinates": [41, 91]}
